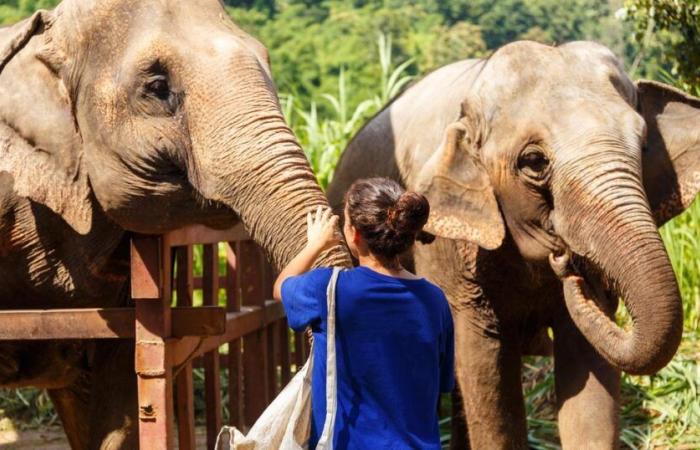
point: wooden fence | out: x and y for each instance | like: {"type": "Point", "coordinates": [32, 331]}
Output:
{"type": "Point", "coordinates": [237, 332]}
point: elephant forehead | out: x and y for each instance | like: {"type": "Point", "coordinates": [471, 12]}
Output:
{"type": "Point", "coordinates": [118, 22]}
{"type": "Point", "coordinates": [580, 69]}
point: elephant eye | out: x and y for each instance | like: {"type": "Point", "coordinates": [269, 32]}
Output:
{"type": "Point", "coordinates": [533, 162]}
{"type": "Point", "coordinates": [159, 87]}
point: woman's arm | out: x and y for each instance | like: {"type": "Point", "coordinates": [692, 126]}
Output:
{"type": "Point", "coordinates": [321, 234]}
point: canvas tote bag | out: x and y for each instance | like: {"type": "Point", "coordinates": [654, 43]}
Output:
{"type": "Point", "coordinates": [286, 423]}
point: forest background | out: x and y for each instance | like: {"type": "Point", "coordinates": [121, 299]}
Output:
{"type": "Point", "coordinates": [337, 62]}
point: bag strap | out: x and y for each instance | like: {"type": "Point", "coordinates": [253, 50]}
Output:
{"type": "Point", "coordinates": [325, 442]}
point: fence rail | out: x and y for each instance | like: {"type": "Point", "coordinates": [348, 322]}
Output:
{"type": "Point", "coordinates": [236, 332]}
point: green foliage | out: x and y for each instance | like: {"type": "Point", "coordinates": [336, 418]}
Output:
{"type": "Point", "coordinates": [676, 25]}
{"type": "Point", "coordinates": [323, 140]}
{"type": "Point", "coordinates": [13, 10]}
{"type": "Point", "coordinates": [27, 407]}
{"type": "Point", "coordinates": [682, 239]}
{"type": "Point", "coordinates": [311, 41]}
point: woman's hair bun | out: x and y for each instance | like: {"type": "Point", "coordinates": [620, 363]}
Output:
{"type": "Point", "coordinates": [389, 219]}
{"type": "Point", "coordinates": [409, 214]}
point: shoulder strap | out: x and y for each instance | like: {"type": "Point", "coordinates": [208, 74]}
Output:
{"type": "Point", "coordinates": [325, 442]}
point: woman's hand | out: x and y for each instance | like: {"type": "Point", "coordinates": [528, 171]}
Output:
{"type": "Point", "coordinates": [321, 234]}
{"type": "Point", "coordinates": [322, 230]}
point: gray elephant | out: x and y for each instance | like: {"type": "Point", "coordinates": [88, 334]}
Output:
{"type": "Point", "coordinates": [119, 117]}
{"type": "Point", "coordinates": [530, 155]}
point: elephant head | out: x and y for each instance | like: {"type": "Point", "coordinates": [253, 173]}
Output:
{"type": "Point", "coordinates": [163, 112]}
{"type": "Point", "coordinates": [559, 147]}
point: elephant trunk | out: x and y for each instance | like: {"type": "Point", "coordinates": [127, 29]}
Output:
{"type": "Point", "coordinates": [246, 157]}
{"type": "Point", "coordinates": [609, 222]}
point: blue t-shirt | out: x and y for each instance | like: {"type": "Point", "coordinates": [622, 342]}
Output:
{"type": "Point", "coordinates": [395, 354]}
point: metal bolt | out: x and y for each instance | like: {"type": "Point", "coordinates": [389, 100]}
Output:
{"type": "Point", "coordinates": [147, 412]}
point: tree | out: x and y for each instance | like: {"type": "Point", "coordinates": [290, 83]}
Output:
{"type": "Point", "coordinates": [677, 24]}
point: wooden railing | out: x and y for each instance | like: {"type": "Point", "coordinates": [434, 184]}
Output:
{"type": "Point", "coordinates": [237, 331]}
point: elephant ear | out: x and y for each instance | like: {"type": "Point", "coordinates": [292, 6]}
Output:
{"type": "Point", "coordinates": [671, 156]}
{"type": "Point", "coordinates": [462, 202]}
{"type": "Point", "coordinates": [41, 147]}
{"type": "Point", "coordinates": [15, 37]}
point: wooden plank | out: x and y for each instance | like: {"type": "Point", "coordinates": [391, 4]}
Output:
{"type": "Point", "coordinates": [273, 350]}
{"type": "Point", "coordinates": [255, 393]}
{"type": "Point", "coordinates": [146, 269]}
{"type": "Point", "coordinates": [118, 323]}
{"type": "Point", "coordinates": [285, 352]}
{"type": "Point", "coordinates": [103, 323]}
{"type": "Point", "coordinates": [198, 284]}
{"type": "Point", "coordinates": [200, 234]}
{"type": "Point", "coordinates": [306, 344]}
{"type": "Point", "coordinates": [210, 275]}
{"type": "Point", "coordinates": [299, 358]}
{"type": "Point", "coordinates": [198, 321]}
{"type": "Point", "coordinates": [152, 358]}
{"type": "Point", "coordinates": [212, 394]}
{"type": "Point", "coordinates": [184, 408]}
{"type": "Point", "coordinates": [184, 278]}
{"type": "Point", "coordinates": [84, 323]}
{"type": "Point", "coordinates": [184, 382]}
{"type": "Point", "coordinates": [238, 324]}
{"type": "Point", "coordinates": [273, 357]}
{"type": "Point", "coordinates": [268, 276]}
{"type": "Point", "coordinates": [234, 361]}
{"type": "Point", "coordinates": [212, 383]}
{"type": "Point", "coordinates": [233, 287]}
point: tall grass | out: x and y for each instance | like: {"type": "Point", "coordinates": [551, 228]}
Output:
{"type": "Point", "coordinates": [324, 138]}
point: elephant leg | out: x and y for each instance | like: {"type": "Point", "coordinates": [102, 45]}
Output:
{"type": "Point", "coordinates": [114, 407]}
{"type": "Point", "coordinates": [459, 435]}
{"type": "Point", "coordinates": [488, 375]}
{"type": "Point", "coordinates": [72, 405]}
{"type": "Point", "coordinates": [588, 391]}
{"type": "Point", "coordinates": [9, 364]}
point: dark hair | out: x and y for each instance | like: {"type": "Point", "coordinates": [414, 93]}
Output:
{"type": "Point", "coordinates": [388, 217]}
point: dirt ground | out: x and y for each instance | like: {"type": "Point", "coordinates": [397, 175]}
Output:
{"type": "Point", "coordinates": [53, 438]}
{"type": "Point", "coordinates": [45, 439]}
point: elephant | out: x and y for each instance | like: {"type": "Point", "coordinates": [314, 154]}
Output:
{"type": "Point", "coordinates": [121, 118]}
{"type": "Point", "coordinates": [548, 172]}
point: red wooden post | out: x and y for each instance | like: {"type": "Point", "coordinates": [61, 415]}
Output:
{"type": "Point", "coordinates": [255, 396]}
{"type": "Point", "coordinates": [150, 289]}
{"type": "Point", "coordinates": [212, 382]}
{"type": "Point", "coordinates": [299, 357]}
{"type": "Point", "coordinates": [273, 354]}
{"type": "Point", "coordinates": [285, 358]}
{"type": "Point", "coordinates": [306, 344]}
{"type": "Point", "coordinates": [184, 383]}
{"type": "Point", "coordinates": [235, 368]}
{"type": "Point", "coordinates": [235, 384]}
{"type": "Point", "coordinates": [273, 357]}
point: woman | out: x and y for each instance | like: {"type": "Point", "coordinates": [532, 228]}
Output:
{"type": "Point", "coordinates": [394, 338]}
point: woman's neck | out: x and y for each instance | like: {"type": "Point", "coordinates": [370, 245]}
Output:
{"type": "Point", "coordinates": [392, 268]}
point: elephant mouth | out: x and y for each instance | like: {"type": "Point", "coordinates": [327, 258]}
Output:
{"type": "Point", "coordinates": [167, 203]}
{"type": "Point", "coordinates": [603, 285]}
